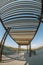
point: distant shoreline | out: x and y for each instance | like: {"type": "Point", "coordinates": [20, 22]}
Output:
{"type": "Point", "coordinates": [22, 49]}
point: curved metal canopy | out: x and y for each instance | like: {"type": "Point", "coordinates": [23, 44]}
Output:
{"type": "Point", "coordinates": [23, 17]}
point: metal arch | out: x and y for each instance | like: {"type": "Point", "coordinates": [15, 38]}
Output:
{"type": "Point", "coordinates": [2, 43]}
{"type": "Point", "coordinates": [3, 39]}
{"type": "Point", "coordinates": [12, 38]}
{"type": "Point", "coordinates": [34, 35]}
{"type": "Point", "coordinates": [7, 30]}
{"type": "Point", "coordinates": [4, 35]}
{"type": "Point", "coordinates": [3, 24]}
{"type": "Point", "coordinates": [40, 19]}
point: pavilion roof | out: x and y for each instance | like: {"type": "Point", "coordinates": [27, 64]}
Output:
{"type": "Point", "coordinates": [23, 18]}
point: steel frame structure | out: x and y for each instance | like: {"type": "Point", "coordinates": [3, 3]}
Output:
{"type": "Point", "coordinates": [8, 30]}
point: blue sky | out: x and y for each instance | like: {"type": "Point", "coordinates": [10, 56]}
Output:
{"type": "Point", "coordinates": [36, 42]}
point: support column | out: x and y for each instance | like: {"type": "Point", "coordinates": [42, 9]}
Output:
{"type": "Point", "coordinates": [3, 42]}
{"type": "Point", "coordinates": [30, 50]}
{"type": "Point", "coordinates": [27, 48]}
{"type": "Point", "coordinates": [18, 49]}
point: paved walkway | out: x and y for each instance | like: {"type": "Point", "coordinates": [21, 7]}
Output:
{"type": "Point", "coordinates": [15, 62]}
{"type": "Point", "coordinates": [34, 60]}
